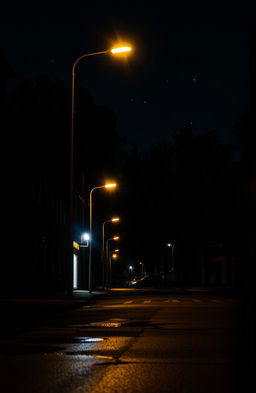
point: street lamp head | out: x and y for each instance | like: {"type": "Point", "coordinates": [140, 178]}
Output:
{"type": "Point", "coordinates": [122, 49]}
{"type": "Point", "coordinates": [85, 236]}
{"type": "Point", "coordinates": [115, 219]}
{"type": "Point", "coordinates": [114, 255]}
{"type": "Point", "coordinates": [117, 250]}
{"type": "Point", "coordinates": [116, 238]}
{"type": "Point", "coordinates": [110, 185]}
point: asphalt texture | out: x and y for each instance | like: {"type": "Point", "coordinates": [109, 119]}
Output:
{"type": "Point", "coordinates": [127, 342]}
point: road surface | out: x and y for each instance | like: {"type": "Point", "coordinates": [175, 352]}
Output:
{"type": "Point", "coordinates": [131, 342]}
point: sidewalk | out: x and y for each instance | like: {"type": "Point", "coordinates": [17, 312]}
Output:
{"type": "Point", "coordinates": [20, 314]}
{"type": "Point", "coordinates": [55, 301]}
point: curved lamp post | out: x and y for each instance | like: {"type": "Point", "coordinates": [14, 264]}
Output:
{"type": "Point", "coordinates": [114, 51]}
{"type": "Point", "coordinates": [114, 219]}
{"type": "Point", "coordinates": [107, 186]}
{"type": "Point", "coordinates": [114, 238]}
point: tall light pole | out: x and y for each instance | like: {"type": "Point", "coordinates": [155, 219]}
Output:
{"type": "Point", "coordinates": [107, 186]}
{"type": "Point", "coordinates": [114, 51]}
{"type": "Point", "coordinates": [114, 219]}
{"type": "Point", "coordinates": [114, 238]}
{"type": "Point", "coordinates": [171, 245]}
{"type": "Point", "coordinates": [112, 256]}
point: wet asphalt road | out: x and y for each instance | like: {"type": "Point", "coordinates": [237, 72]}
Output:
{"type": "Point", "coordinates": [128, 342]}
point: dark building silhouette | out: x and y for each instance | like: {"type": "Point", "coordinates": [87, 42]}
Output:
{"type": "Point", "coordinates": [252, 67]}
{"type": "Point", "coordinates": [6, 72]}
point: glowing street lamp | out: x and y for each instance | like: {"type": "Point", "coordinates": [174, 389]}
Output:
{"type": "Point", "coordinates": [85, 238]}
{"type": "Point", "coordinates": [121, 49]}
{"type": "Point", "coordinates": [112, 185]}
{"type": "Point", "coordinates": [108, 259]}
{"type": "Point", "coordinates": [114, 51]}
{"type": "Point", "coordinates": [171, 246]}
{"type": "Point", "coordinates": [112, 256]}
{"type": "Point", "coordinates": [114, 220]}
{"type": "Point", "coordinates": [107, 186]}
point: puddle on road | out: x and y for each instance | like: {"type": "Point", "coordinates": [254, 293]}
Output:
{"type": "Point", "coordinates": [67, 340]}
{"type": "Point", "coordinates": [110, 323]}
{"type": "Point", "coordinates": [125, 323]}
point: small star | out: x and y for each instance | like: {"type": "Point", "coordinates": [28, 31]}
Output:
{"type": "Point", "coordinates": [145, 102]}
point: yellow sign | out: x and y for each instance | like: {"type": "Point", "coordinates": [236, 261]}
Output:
{"type": "Point", "coordinates": [76, 245]}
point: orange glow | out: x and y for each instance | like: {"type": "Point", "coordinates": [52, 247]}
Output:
{"type": "Point", "coordinates": [115, 219]}
{"type": "Point", "coordinates": [121, 49]}
{"type": "Point", "coordinates": [110, 185]}
{"type": "Point", "coordinates": [116, 238]}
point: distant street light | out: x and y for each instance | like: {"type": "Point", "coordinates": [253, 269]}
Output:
{"type": "Point", "coordinates": [114, 238]}
{"type": "Point", "coordinates": [114, 219]}
{"type": "Point", "coordinates": [171, 245]}
{"type": "Point", "coordinates": [142, 267]}
{"type": "Point", "coordinates": [107, 186]}
{"type": "Point", "coordinates": [114, 255]}
{"type": "Point", "coordinates": [114, 51]}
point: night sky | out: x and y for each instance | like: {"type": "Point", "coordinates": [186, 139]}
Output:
{"type": "Point", "coordinates": [189, 66]}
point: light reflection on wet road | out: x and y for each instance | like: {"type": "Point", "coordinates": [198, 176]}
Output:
{"type": "Point", "coordinates": [139, 344]}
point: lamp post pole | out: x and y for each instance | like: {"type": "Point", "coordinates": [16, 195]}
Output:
{"type": "Point", "coordinates": [107, 259]}
{"type": "Point", "coordinates": [71, 179]}
{"type": "Point", "coordinates": [71, 175]}
{"type": "Point", "coordinates": [103, 255]}
{"type": "Point", "coordinates": [108, 186]}
{"type": "Point", "coordinates": [90, 244]}
{"type": "Point", "coordinates": [115, 219]}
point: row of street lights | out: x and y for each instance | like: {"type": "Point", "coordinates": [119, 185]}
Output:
{"type": "Point", "coordinates": [115, 51]}
{"type": "Point", "coordinates": [106, 186]}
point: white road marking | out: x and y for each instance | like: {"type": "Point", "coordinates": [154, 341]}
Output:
{"type": "Point", "coordinates": [214, 300]}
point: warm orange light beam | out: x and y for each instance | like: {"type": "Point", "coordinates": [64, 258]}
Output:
{"type": "Point", "coordinates": [121, 49]}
